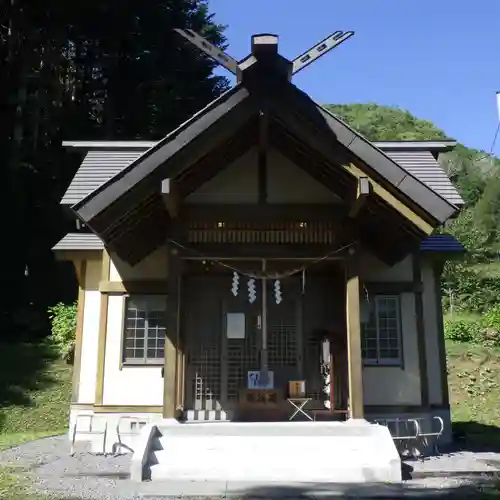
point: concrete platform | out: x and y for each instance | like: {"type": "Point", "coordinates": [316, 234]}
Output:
{"type": "Point", "coordinates": [274, 453]}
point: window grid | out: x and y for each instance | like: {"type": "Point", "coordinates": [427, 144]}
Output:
{"type": "Point", "coordinates": [381, 335]}
{"type": "Point", "coordinates": [144, 329]}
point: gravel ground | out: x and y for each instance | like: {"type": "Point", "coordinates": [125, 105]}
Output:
{"type": "Point", "coordinates": [86, 476]}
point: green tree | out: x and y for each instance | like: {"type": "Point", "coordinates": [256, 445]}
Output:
{"type": "Point", "coordinates": [82, 70]}
{"type": "Point", "coordinates": [386, 123]}
{"type": "Point", "coordinates": [477, 176]}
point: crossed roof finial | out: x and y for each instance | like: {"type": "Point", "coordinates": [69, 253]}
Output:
{"type": "Point", "coordinates": [262, 44]}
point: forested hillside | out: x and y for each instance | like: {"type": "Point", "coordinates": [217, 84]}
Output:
{"type": "Point", "coordinates": [104, 70]}
{"type": "Point", "coordinates": [471, 285]}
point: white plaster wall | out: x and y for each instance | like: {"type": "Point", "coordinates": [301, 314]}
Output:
{"type": "Point", "coordinates": [391, 385]}
{"type": "Point", "coordinates": [90, 338]}
{"type": "Point", "coordinates": [238, 183]}
{"type": "Point", "coordinates": [288, 183]}
{"type": "Point", "coordinates": [128, 386]}
{"type": "Point", "coordinates": [152, 267]}
{"type": "Point", "coordinates": [374, 270]}
{"type": "Point", "coordinates": [431, 334]}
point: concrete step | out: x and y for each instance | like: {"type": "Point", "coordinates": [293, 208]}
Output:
{"type": "Point", "coordinates": [270, 452]}
{"type": "Point", "coordinates": [252, 429]}
{"type": "Point", "coordinates": [268, 490]}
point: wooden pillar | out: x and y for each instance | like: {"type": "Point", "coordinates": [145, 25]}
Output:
{"type": "Point", "coordinates": [445, 395]}
{"type": "Point", "coordinates": [354, 354]}
{"type": "Point", "coordinates": [172, 336]}
{"type": "Point", "coordinates": [420, 324]}
{"type": "Point", "coordinates": [180, 347]}
{"type": "Point", "coordinates": [103, 332]}
{"type": "Point", "coordinates": [81, 271]}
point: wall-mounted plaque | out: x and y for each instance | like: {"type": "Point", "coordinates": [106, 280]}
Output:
{"type": "Point", "coordinates": [254, 381]}
{"type": "Point", "coordinates": [235, 325]}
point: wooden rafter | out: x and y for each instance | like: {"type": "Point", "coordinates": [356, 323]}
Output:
{"type": "Point", "coordinates": [391, 200]}
{"type": "Point", "coordinates": [170, 195]}
{"type": "Point", "coordinates": [263, 153]}
{"type": "Point", "coordinates": [207, 167]}
{"type": "Point", "coordinates": [363, 191]}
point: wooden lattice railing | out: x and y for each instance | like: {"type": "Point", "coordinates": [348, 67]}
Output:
{"type": "Point", "coordinates": [262, 233]}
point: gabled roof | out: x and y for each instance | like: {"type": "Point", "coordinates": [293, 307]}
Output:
{"type": "Point", "coordinates": [443, 243]}
{"type": "Point", "coordinates": [234, 103]}
{"type": "Point", "coordinates": [398, 207]}
{"type": "Point", "coordinates": [105, 159]}
{"type": "Point", "coordinates": [236, 107]}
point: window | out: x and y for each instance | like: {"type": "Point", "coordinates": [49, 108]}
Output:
{"type": "Point", "coordinates": [381, 332]}
{"type": "Point", "coordinates": [144, 329]}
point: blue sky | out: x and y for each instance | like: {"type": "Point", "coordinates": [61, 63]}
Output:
{"type": "Point", "coordinates": [439, 59]}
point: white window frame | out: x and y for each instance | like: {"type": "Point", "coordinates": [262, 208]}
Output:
{"type": "Point", "coordinates": [144, 360]}
{"type": "Point", "coordinates": [379, 361]}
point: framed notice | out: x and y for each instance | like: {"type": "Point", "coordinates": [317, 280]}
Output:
{"type": "Point", "coordinates": [235, 325]}
{"type": "Point", "coordinates": [254, 381]}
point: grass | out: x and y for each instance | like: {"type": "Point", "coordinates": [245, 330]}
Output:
{"type": "Point", "coordinates": [474, 382]}
{"type": "Point", "coordinates": [35, 390]}
{"type": "Point", "coordinates": [462, 316]}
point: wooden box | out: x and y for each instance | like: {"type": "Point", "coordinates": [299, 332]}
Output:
{"type": "Point", "coordinates": [297, 389]}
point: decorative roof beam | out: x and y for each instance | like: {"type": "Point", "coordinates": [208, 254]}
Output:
{"type": "Point", "coordinates": [264, 44]}
{"type": "Point", "coordinates": [265, 48]}
{"type": "Point", "coordinates": [264, 62]}
{"type": "Point", "coordinates": [320, 50]}
{"type": "Point", "coordinates": [210, 50]}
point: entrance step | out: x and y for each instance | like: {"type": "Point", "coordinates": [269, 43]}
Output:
{"type": "Point", "coordinates": [207, 415]}
{"type": "Point", "coordinates": [269, 452]}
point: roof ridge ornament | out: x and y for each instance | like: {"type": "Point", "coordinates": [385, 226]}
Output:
{"type": "Point", "coordinates": [264, 45]}
{"type": "Point", "coordinates": [320, 49]}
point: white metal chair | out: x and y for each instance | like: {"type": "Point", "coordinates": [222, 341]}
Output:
{"type": "Point", "coordinates": [90, 431]}
{"type": "Point", "coordinates": [119, 432]}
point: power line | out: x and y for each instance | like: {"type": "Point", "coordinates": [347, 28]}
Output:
{"type": "Point", "coordinates": [493, 144]}
{"type": "Point", "coordinates": [495, 139]}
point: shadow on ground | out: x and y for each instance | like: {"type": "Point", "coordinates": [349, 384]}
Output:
{"type": "Point", "coordinates": [23, 369]}
{"type": "Point", "coordinates": [484, 489]}
{"type": "Point", "coordinates": [476, 437]}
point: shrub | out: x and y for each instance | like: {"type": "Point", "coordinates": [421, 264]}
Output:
{"type": "Point", "coordinates": [492, 318]}
{"type": "Point", "coordinates": [461, 330]}
{"type": "Point", "coordinates": [491, 327]}
{"type": "Point", "coordinates": [63, 322]}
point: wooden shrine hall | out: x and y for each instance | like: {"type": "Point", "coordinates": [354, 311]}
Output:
{"type": "Point", "coordinates": [262, 252]}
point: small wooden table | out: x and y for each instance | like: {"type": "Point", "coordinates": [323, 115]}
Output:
{"type": "Point", "coordinates": [298, 404]}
